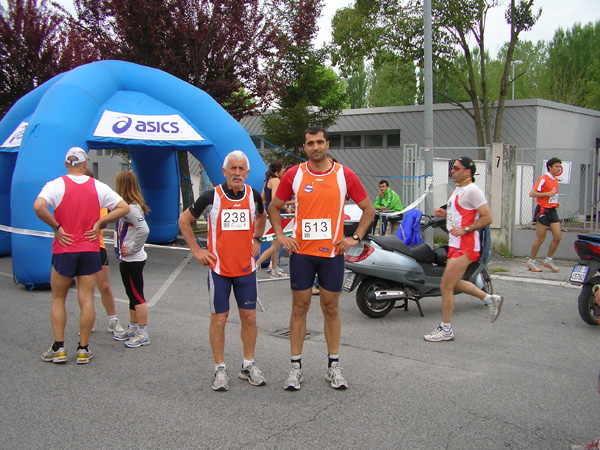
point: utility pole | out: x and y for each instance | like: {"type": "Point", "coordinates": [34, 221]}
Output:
{"type": "Point", "coordinates": [428, 112]}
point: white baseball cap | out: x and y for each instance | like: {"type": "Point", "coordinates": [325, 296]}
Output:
{"type": "Point", "coordinates": [79, 153]}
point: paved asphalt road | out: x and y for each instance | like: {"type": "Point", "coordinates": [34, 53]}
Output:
{"type": "Point", "coordinates": [528, 381]}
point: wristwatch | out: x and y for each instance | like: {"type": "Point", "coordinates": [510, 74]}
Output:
{"type": "Point", "coordinates": [468, 229]}
{"type": "Point", "coordinates": [356, 237]}
{"type": "Point", "coordinates": [257, 239]}
{"type": "Point", "coordinates": [56, 227]}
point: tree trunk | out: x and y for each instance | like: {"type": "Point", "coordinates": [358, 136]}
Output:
{"type": "Point", "coordinates": [187, 194]}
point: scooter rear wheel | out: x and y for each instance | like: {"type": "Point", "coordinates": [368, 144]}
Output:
{"type": "Point", "coordinates": [373, 308]}
{"type": "Point", "coordinates": [588, 310]}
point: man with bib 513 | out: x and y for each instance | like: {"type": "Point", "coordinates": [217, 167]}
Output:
{"type": "Point", "coordinates": [317, 246]}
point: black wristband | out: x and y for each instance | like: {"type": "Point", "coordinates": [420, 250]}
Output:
{"type": "Point", "coordinates": [56, 227]}
{"type": "Point", "coordinates": [257, 239]}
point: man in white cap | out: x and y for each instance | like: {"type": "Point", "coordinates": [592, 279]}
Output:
{"type": "Point", "coordinates": [76, 200]}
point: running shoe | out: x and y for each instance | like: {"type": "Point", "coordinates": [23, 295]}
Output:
{"type": "Point", "coordinates": [594, 445]}
{"type": "Point", "coordinates": [221, 380]}
{"type": "Point", "coordinates": [532, 266]}
{"type": "Point", "coordinates": [57, 357]}
{"type": "Point", "coordinates": [294, 378]}
{"type": "Point", "coordinates": [124, 336]}
{"type": "Point", "coordinates": [115, 327]}
{"type": "Point", "coordinates": [315, 290]}
{"type": "Point", "coordinates": [137, 341]}
{"type": "Point", "coordinates": [270, 268]}
{"type": "Point", "coordinates": [549, 264]}
{"type": "Point", "coordinates": [278, 273]}
{"type": "Point", "coordinates": [439, 335]}
{"type": "Point", "coordinates": [334, 376]}
{"type": "Point", "coordinates": [83, 356]}
{"type": "Point", "coordinates": [253, 374]}
{"type": "Point", "coordinates": [495, 307]}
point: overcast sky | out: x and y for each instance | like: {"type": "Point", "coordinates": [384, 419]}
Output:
{"type": "Point", "coordinates": [555, 14]}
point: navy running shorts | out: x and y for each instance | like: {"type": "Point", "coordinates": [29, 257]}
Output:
{"type": "Point", "coordinates": [303, 269]}
{"type": "Point", "coordinates": [103, 256]}
{"type": "Point", "coordinates": [219, 289]}
{"type": "Point", "coordinates": [545, 216]}
{"type": "Point", "coordinates": [76, 264]}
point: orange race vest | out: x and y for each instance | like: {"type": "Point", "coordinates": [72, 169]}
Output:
{"type": "Point", "coordinates": [320, 200]}
{"type": "Point", "coordinates": [231, 233]}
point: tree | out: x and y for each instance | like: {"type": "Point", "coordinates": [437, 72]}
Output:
{"type": "Point", "coordinates": [393, 82]}
{"type": "Point", "coordinates": [398, 27]}
{"type": "Point", "coordinates": [230, 49]}
{"type": "Point", "coordinates": [32, 40]}
{"type": "Point", "coordinates": [314, 96]}
{"type": "Point", "coordinates": [357, 85]}
{"type": "Point", "coordinates": [573, 66]}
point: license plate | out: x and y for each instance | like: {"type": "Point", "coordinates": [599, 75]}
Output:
{"type": "Point", "coordinates": [578, 274]}
{"type": "Point", "coordinates": [348, 281]}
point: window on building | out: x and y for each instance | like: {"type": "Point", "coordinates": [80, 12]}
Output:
{"type": "Point", "coordinates": [352, 141]}
{"type": "Point", "coordinates": [393, 140]}
{"type": "Point", "coordinates": [374, 140]}
{"type": "Point", "coordinates": [256, 142]}
{"type": "Point", "coordinates": [335, 141]}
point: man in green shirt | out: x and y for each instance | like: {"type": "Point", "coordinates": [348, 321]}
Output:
{"type": "Point", "coordinates": [387, 200]}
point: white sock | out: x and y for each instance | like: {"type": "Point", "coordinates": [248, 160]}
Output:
{"type": "Point", "coordinates": [247, 362]}
{"type": "Point", "coordinates": [133, 326]}
{"type": "Point", "coordinates": [220, 366]}
{"type": "Point", "coordinates": [446, 326]}
{"type": "Point", "coordinates": [548, 259]}
{"type": "Point", "coordinates": [488, 299]}
{"type": "Point", "coordinates": [143, 330]}
{"type": "Point", "coordinates": [113, 319]}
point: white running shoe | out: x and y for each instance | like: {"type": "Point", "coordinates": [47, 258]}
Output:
{"type": "Point", "coordinates": [495, 307]}
{"type": "Point", "coordinates": [294, 378]}
{"type": "Point", "coordinates": [334, 376]}
{"type": "Point", "coordinates": [439, 335]}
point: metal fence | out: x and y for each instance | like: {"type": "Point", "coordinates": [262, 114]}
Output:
{"type": "Point", "coordinates": [404, 168]}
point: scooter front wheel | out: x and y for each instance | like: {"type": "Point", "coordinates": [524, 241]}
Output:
{"type": "Point", "coordinates": [369, 307]}
{"type": "Point", "coordinates": [588, 310]}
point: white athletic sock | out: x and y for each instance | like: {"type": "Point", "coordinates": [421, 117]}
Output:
{"type": "Point", "coordinates": [446, 326]}
{"type": "Point", "coordinates": [143, 330]}
{"type": "Point", "coordinates": [220, 366]}
{"type": "Point", "coordinates": [112, 319]}
{"type": "Point", "coordinates": [488, 299]}
{"type": "Point", "coordinates": [247, 362]}
{"type": "Point", "coordinates": [133, 326]}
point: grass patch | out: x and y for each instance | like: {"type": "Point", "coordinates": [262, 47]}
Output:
{"type": "Point", "coordinates": [499, 270]}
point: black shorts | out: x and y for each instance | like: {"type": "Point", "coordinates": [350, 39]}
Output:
{"type": "Point", "coordinates": [545, 216]}
{"type": "Point", "coordinates": [103, 256]}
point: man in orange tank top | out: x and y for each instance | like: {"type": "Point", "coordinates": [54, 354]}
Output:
{"type": "Point", "coordinates": [236, 223]}
{"type": "Point", "coordinates": [317, 246]}
{"type": "Point", "coordinates": [545, 192]}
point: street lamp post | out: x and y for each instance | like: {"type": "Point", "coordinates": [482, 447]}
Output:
{"type": "Point", "coordinates": [513, 64]}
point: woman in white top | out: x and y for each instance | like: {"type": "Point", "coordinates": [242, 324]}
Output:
{"type": "Point", "coordinates": [132, 232]}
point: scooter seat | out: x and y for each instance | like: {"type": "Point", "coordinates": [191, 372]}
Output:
{"type": "Point", "coordinates": [420, 252]}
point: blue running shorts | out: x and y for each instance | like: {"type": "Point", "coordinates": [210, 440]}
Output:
{"type": "Point", "coordinates": [76, 264]}
{"type": "Point", "coordinates": [219, 289]}
{"type": "Point", "coordinates": [303, 269]}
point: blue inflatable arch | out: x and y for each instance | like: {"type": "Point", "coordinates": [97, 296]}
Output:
{"type": "Point", "coordinates": [109, 104]}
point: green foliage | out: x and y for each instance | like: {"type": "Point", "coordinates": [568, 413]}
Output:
{"type": "Point", "coordinates": [393, 82]}
{"type": "Point", "coordinates": [573, 66]}
{"type": "Point", "coordinates": [313, 95]}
